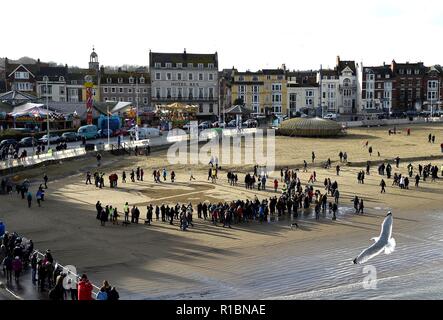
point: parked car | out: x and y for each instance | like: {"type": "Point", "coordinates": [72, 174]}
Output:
{"type": "Point", "coordinates": [88, 132]}
{"type": "Point", "coordinates": [53, 138]}
{"type": "Point", "coordinates": [103, 133]}
{"type": "Point", "coordinates": [23, 130]}
{"type": "Point", "coordinates": [8, 142]}
{"type": "Point", "coordinates": [217, 124]}
{"type": "Point", "coordinates": [330, 116]}
{"type": "Point", "coordinates": [27, 142]}
{"type": "Point", "coordinates": [250, 123]}
{"type": "Point", "coordinates": [232, 124]}
{"type": "Point", "coordinates": [205, 125]}
{"type": "Point", "coordinates": [69, 137]}
{"type": "Point", "coordinates": [144, 133]}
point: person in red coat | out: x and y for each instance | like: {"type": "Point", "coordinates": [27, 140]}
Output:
{"type": "Point", "coordinates": [84, 289]}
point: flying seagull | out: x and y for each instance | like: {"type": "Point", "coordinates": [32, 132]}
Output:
{"type": "Point", "coordinates": [383, 242]}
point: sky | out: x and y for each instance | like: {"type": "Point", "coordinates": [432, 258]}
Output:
{"type": "Point", "coordinates": [247, 34]}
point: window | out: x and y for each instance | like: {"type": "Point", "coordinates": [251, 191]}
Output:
{"type": "Point", "coordinates": [309, 93]}
{"type": "Point", "coordinates": [190, 65]}
{"type": "Point", "coordinates": [211, 93]}
{"type": "Point", "coordinates": [279, 77]}
{"type": "Point", "coordinates": [276, 98]}
{"type": "Point", "coordinates": [211, 66]}
{"type": "Point", "coordinates": [179, 65]}
{"type": "Point", "coordinates": [120, 80]}
{"type": "Point", "coordinates": [158, 65]}
{"type": "Point", "coordinates": [120, 90]}
{"type": "Point", "coordinates": [23, 75]}
{"type": "Point", "coordinates": [180, 93]}
{"type": "Point", "coordinates": [200, 76]}
{"type": "Point", "coordinates": [179, 76]}
{"type": "Point", "coordinates": [168, 93]}
{"type": "Point", "coordinates": [378, 76]}
{"type": "Point", "coordinates": [74, 82]}
{"type": "Point", "coordinates": [145, 90]}
{"type": "Point", "coordinates": [142, 80]}
{"type": "Point", "coordinates": [254, 78]}
{"type": "Point", "coordinates": [200, 107]}
{"type": "Point", "coordinates": [277, 109]}
{"type": "Point", "coordinates": [105, 89]}
{"type": "Point", "coordinates": [255, 89]}
{"type": "Point", "coordinates": [191, 93]}
{"type": "Point", "coordinates": [190, 76]}
{"type": "Point", "coordinates": [108, 80]}
{"type": "Point", "coordinates": [131, 80]}
{"type": "Point", "coordinates": [242, 89]}
{"type": "Point", "coordinates": [168, 76]}
{"type": "Point", "coordinates": [241, 78]}
{"type": "Point", "coordinates": [200, 93]}
{"type": "Point", "coordinates": [432, 84]}
{"type": "Point", "coordinates": [401, 71]}
{"type": "Point", "coordinates": [129, 90]}
{"type": "Point", "coordinates": [200, 65]}
{"type": "Point", "coordinates": [157, 76]}
{"type": "Point", "coordinates": [61, 91]}
{"type": "Point", "coordinates": [113, 89]}
{"type": "Point", "coordinates": [211, 107]}
{"type": "Point", "coordinates": [211, 77]}
{"type": "Point", "coordinates": [309, 102]}
{"type": "Point", "coordinates": [255, 99]}
{"type": "Point", "coordinates": [121, 99]}
{"type": "Point", "coordinates": [409, 71]}
{"type": "Point", "coordinates": [157, 93]}
{"type": "Point", "coordinates": [129, 99]}
{"type": "Point", "coordinates": [168, 65]}
{"type": "Point", "coordinates": [387, 76]}
{"type": "Point", "coordinates": [268, 77]}
{"type": "Point", "coordinates": [379, 86]}
{"type": "Point", "coordinates": [417, 71]}
{"type": "Point", "coordinates": [26, 86]}
{"type": "Point", "coordinates": [292, 101]}
{"type": "Point", "coordinates": [145, 100]}
{"type": "Point", "coordinates": [276, 87]}
{"type": "Point", "coordinates": [61, 79]}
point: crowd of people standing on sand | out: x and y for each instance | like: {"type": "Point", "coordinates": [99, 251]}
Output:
{"type": "Point", "coordinates": [17, 255]}
{"type": "Point", "coordinates": [23, 189]}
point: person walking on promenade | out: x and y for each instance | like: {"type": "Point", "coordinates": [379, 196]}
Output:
{"type": "Point", "coordinates": [313, 156]}
{"type": "Point", "coordinates": [124, 177]}
{"type": "Point", "coordinates": [45, 179]}
{"type": "Point", "coordinates": [337, 169]}
{"type": "Point", "coordinates": [17, 267]}
{"type": "Point", "coordinates": [88, 177]}
{"type": "Point", "coordinates": [29, 198]}
{"type": "Point", "coordinates": [383, 186]}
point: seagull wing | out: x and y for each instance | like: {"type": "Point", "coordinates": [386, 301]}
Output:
{"type": "Point", "coordinates": [369, 253]}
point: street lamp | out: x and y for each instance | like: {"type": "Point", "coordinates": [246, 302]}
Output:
{"type": "Point", "coordinates": [47, 109]}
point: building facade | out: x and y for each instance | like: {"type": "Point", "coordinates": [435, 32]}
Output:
{"type": "Point", "coordinates": [126, 86]}
{"type": "Point", "coordinates": [263, 92]}
{"type": "Point", "coordinates": [185, 77]}
{"type": "Point", "coordinates": [340, 91]}
{"type": "Point", "coordinates": [303, 93]}
{"type": "Point", "coordinates": [378, 89]}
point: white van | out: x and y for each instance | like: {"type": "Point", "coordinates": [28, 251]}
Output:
{"type": "Point", "coordinates": [145, 133]}
{"type": "Point", "coordinates": [331, 116]}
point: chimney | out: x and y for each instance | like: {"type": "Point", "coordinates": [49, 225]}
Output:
{"type": "Point", "coordinates": [184, 51]}
{"type": "Point", "coordinates": [338, 60]}
{"type": "Point", "coordinates": [393, 65]}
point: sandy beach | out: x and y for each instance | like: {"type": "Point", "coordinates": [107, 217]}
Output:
{"type": "Point", "coordinates": [251, 260]}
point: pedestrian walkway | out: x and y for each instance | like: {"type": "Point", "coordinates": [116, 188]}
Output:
{"type": "Point", "coordinates": [23, 290]}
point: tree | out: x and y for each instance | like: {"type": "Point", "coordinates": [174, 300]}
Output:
{"type": "Point", "coordinates": [239, 101]}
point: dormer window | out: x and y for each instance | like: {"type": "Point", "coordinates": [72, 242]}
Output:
{"type": "Point", "coordinates": [61, 79]}
{"type": "Point", "coordinates": [158, 65]}
{"type": "Point", "coordinates": [21, 75]}
{"type": "Point", "coordinates": [120, 80]}
{"type": "Point", "coordinates": [200, 65]}
{"type": "Point", "coordinates": [190, 65]}
{"type": "Point", "coordinates": [401, 71]}
{"type": "Point", "coordinates": [131, 80]}
{"type": "Point", "coordinates": [417, 71]}
{"type": "Point", "coordinates": [45, 78]}
{"type": "Point", "coordinates": [409, 71]}
{"type": "Point", "coordinates": [142, 80]}
{"type": "Point", "coordinates": [179, 65]}
{"type": "Point", "coordinates": [241, 78]}
{"type": "Point", "coordinates": [73, 81]}
{"type": "Point", "coordinates": [211, 66]}
{"type": "Point", "coordinates": [108, 80]}
{"type": "Point", "coordinates": [169, 65]}
{"type": "Point", "coordinates": [254, 78]}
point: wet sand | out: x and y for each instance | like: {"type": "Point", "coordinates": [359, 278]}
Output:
{"type": "Point", "coordinates": [249, 260]}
